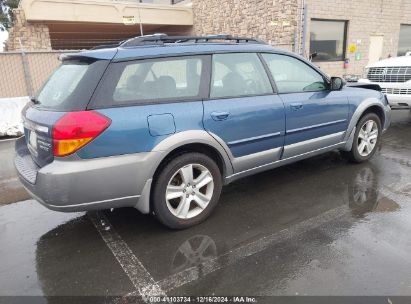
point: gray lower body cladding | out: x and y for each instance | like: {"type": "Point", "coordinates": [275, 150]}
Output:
{"type": "Point", "coordinates": [75, 184]}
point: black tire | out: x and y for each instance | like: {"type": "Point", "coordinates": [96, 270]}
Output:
{"type": "Point", "coordinates": [159, 203]}
{"type": "Point", "coordinates": [354, 155]}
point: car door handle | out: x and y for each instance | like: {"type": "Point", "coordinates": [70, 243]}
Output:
{"type": "Point", "coordinates": [220, 115]}
{"type": "Point", "coordinates": [296, 106]}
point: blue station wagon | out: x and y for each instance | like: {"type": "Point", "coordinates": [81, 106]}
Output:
{"type": "Point", "coordinates": [161, 123]}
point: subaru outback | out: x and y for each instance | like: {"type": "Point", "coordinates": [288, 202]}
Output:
{"type": "Point", "coordinates": [161, 123]}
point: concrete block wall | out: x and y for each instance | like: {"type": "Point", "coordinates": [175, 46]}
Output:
{"type": "Point", "coordinates": [273, 21]}
{"type": "Point", "coordinates": [33, 36]}
{"type": "Point", "coordinates": [366, 18]}
{"type": "Point", "coordinates": [276, 21]}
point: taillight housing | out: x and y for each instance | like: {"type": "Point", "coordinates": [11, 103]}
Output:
{"type": "Point", "coordinates": [76, 129]}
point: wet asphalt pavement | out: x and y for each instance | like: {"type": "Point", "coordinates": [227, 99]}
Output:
{"type": "Point", "coordinates": [322, 226]}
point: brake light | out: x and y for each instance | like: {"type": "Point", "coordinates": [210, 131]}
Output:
{"type": "Point", "coordinates": [75, 129]}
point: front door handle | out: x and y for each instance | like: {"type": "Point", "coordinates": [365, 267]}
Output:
{"type": "Point", "coordinates": [219, 115]}
{"type": "Point", "coordinates": [296, 106]}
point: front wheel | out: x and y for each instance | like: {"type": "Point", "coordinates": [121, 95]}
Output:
{"type": "Point", "coordinates": [186, 190]}
{"type": "Point", "coordinates": [366, 139]}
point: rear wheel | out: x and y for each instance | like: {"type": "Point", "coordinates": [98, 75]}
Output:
{"type": "Point", "coordinates": [366, 139]}
{"type": "Point", "coordinates": [186, 190]}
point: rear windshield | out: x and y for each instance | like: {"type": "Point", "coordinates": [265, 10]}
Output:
{"type": "Point", "coordinates": [71, 85]}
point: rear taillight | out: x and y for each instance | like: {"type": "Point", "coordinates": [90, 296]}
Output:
{"type": "Point", "coordinates": [76, 129]}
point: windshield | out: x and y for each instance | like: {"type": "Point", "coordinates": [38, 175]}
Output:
{"type": "Point", "coordinates": [71, 85]}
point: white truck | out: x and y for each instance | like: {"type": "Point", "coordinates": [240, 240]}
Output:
{"type": "Point", "coordinates": [393, 75]}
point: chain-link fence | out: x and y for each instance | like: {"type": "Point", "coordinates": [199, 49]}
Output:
{"type": "Point", "coordinates": [22, 73]}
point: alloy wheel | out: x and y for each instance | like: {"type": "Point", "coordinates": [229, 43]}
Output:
{"type": "Point", "coordinates": [189, 191]}
{"type": "Point", "coordinates": [367, 138]}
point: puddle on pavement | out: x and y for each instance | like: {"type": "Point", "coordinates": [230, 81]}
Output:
{"type": "Point", "coordinates": [385, 204]}
{"type": "Point", "coordinates": [406, 189]}
{"type": "Point", "coordinates": [268, 206]}
{"type": "Point", "coordinates": [47, 246]}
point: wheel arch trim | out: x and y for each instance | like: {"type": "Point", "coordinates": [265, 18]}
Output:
{"type": "Point", "coordinates": [201, 137]}
{"type": "Point", "coordinates": [355, 118]}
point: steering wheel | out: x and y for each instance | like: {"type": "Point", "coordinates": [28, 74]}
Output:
{"type": "Point", "coordinates": [251, 86]}
{"type": "Point", "coordinates": [315, 86]}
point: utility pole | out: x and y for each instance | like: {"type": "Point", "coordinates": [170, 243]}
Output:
{"type": "Point", "coordinates": [141, 22]}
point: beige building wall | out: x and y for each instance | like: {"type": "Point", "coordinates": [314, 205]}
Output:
{"type": "Point", "coordinates": [365, 18]}
{"type": "Point", "coordinates": [273, 21]}
{"type": "Point", "coordinates": [82, 24]}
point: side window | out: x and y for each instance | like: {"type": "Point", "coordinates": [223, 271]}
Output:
{"type": "Point", "coordinates": [292, 75]}
{"type": "Point", "coordinates": [239, 74]}
{"type": "Point", "coordinates": [149, 80]}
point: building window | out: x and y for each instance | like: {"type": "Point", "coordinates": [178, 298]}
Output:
{"type": "Point", "coordinates": [328, 39]}
{"type": "Point", "coordinates": [404, 44]}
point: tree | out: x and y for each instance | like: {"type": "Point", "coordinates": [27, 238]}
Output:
{"type": "Point", "coordinates": [6, 13]}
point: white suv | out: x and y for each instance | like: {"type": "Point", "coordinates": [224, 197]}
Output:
{"type": "Point", "coordinates": [393, 75]}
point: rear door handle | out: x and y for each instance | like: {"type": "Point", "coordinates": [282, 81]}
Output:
{"type": "Point", "coordinates": [219, 115]}
{"type": "Point", "coordinates": [296, 106]}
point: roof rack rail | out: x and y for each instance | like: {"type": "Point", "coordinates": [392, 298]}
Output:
{"type": "Point", "coordinates": [106, 46]}
{"type": "Point", "coordinates": [164, 38]}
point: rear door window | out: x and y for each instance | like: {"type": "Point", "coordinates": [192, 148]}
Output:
{"type": "Point", "coordinates": [71, 85]}
{"type": "Point", "coordinates": [238, 74]}
{"type": "Point", "coordinates": [150, 81]}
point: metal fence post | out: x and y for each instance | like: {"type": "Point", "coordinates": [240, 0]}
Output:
{"type": "Point", "coordinates": [26, 69]}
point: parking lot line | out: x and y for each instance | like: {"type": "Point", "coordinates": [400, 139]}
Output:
{"type": "Point", "coordinates": [235, 255]}
{"type": "Point", "coordinates": [199, 271]}
{"type": "Point", "coordinates": [142, 280]}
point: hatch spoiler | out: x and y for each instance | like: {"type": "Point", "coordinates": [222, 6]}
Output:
{"type": "Point", "coordinates": [97, 54]}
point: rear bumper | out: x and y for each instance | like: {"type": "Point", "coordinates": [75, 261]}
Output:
{"type": "Point", "coordinates": [73, 184]}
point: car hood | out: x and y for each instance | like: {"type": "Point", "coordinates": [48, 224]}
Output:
{"type": "Point", "coordinates": [369, 86]}
{"type": "Point", "coordinates": [390, 62]}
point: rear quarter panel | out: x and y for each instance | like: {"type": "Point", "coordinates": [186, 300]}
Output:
{"type": "Point", "coordinates": [129, 131]}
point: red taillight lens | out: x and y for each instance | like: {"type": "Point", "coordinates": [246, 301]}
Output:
{"type": "Point", "coordinates": [76, 129]}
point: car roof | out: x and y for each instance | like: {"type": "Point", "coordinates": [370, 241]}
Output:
{"type": "Point", "coordinates": [122, 53]}
{"type": "Point", "coordinates": [176, 49]}
{"type": "Point", "coordinates": [173, 49]}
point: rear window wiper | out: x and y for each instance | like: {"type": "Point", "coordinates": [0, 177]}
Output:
{"type": "Point", "coordinates": [34, 100]}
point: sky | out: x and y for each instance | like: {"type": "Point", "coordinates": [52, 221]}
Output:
{"type": "Point", "coordinates": [3, 37]}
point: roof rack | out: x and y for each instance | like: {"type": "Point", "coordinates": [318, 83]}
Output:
{"type": "Point", "coordinates": [164, 38]}
{"type": "Point", "coordinates": [106, 46]}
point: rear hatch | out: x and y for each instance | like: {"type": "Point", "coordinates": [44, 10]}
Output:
{"type": "Point", "coordinates": [68, 89]}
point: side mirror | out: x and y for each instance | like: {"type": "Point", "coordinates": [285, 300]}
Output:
{"type": "Point", "coordinates": [336, 83]}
